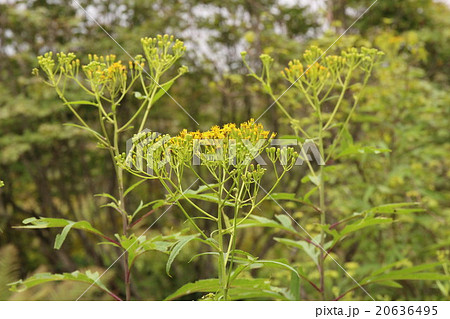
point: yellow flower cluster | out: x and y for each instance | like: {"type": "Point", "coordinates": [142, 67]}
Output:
{"type": "Point", "coordinates": [228, 144]}
{"type": "Point", "coordinates": [104, 68]}
{"type": "Point", "coordinates": [248, 130]}
{"type": "Point", "coordinates": [116, 69]}
{"type": "Point", "coordinates": [295, 70]}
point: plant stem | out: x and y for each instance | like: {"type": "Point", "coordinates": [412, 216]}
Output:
{"type": "Point", "coordinates": [322, 233]}
{"type": "Point", "coordinates": [222, 267]}
{"type": "Point", "coordinates": [125, 232]}
{"type": "Point", "coordinates": [321, 202]}
{"type": "Point", "coordinates": [119, 175]}
{"type": "Point", "coordinates": [150, 103]}
{"type": "Point", "coordinates": [232, 243]}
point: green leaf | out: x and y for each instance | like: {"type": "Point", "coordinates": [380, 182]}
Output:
{"type": "Point", "coordinates": [138, 245]}
{"type": "Point", "coordinates": [358, 150]}
{"type": "Point", "coordinates": [286, 221]}
{"type": "Point", "coordinates": [313, 179]}
{"type": "Point", "coordinates": [347, 138]}
{"type": "Point", "coordinates": [397, 208]}
{"type": "Point", "coordinates": [311, 250]}
{"type": "Point", "coordinates": [129, 189]}
{"type": "Point", "coordinates": [366, 222]}
{"type": "Point", "coordinates": [258, 221]}
{"type": "Point", "coordinates": [350, 228]}
{"type": "Point", "coordinates": [60, 238]}
{"type": "Point", "coordinates": [155, 204]}
{"type": "Point", "coordinates": [293, 197]}
{"type": "Point", "coordinates": [204, 285]}
{"type": "Point", "coordinates": [409, 276]}
{"type": "Point", "coordinates": [57, 223]}
{"type": "Point", "coordinates": [201, 189]}
{"type": "Point", "coordinates": [208, 253]}
{"type": "Point", "coordinates": [260, 294]}
{"type": "Point", "coordinates": [308, 194]}
{"type": "Point", "coordinates": [276, 264]}
{"type": "Point", "coordinates": [89, 277]}
{"type": "Point", "coordinates": [397, 264]}
{"type": "Point", "coordinates": [176, 250]}
{"type": "Point", "coordinates": [408, 270]}
{"type": "Point", "coordinates": [106, 195]}
{"type": "Point", "coordinates": [163, 90]}
{"type": "Point", "coordinates": [294, 287]}
{"type": "Point", "coordinates": [243, 288]}
{"type": "Point", "coordinates": [390, 283]}
{"type": "Point", "coordinates": [409, 273]}
{"type": "Point", "coordinates": [283, 196]}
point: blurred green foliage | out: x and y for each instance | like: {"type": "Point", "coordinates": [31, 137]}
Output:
{"type": "Point", "coordinates": [54, 170]}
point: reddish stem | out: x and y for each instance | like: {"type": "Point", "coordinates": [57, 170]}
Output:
{"type": "Point", "coordinates": [111, 240]}
{"type": "Point", "coordinates": [114, 296]}
{"type": "Point", "coordinates": [140, 219]}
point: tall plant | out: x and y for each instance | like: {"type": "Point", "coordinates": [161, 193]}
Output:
{"type": "Point", "coordinates": [106, 82]}
{"type": "Point", "coordinates": [232, 184]}
{"type": "Point", "coordinates": [324, 85]}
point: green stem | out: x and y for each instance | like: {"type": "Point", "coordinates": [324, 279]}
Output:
{"type": "Point", "coordinates": [341, 97]}
{"type": "Point", "coordinates": [222, 267]}
{"type": "Point", "coordinates": [321, 202]}
{"type": "Point", "coordinates": [119, 175]}
{"type": "Point", "coordinates": [232, 244]}
{"type": "Point", "coordinates": [150, 102]}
